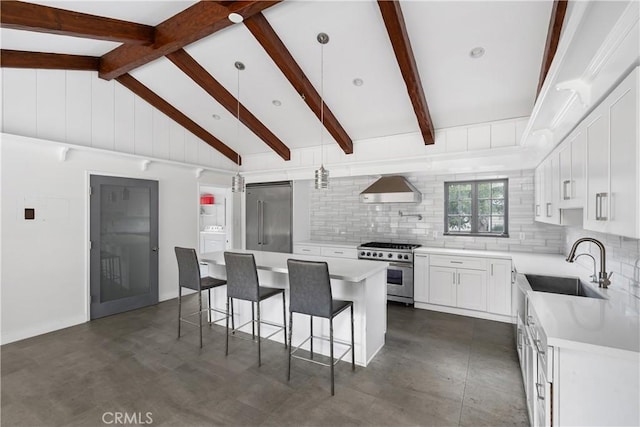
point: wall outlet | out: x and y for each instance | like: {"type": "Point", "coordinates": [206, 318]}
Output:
{"type": "Point", "coordinates": [521, 236]}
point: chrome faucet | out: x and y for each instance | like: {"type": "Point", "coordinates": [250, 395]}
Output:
{"type": "Point", "coordinates": [603, 277]}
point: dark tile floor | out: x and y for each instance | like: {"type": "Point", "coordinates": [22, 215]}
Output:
{"type": "Point", "coordinates": [436, 369]}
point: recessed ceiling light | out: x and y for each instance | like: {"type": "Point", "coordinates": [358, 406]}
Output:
{"type": "Point", "coordinates": [236, 18]}
{"type": "Point", "coordinates": [358, 82]}
{"type": "Point", "coordinates": [215, 117]}
{"type": "Point", "coordinates": [276, 102]}
{"type": "Point", "coordinates": [476, 52]}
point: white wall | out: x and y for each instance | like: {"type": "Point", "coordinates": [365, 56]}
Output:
{"type": "Point", "coordinates": [79, 108]}
{"type": "Point", "coordinates": [44, 267]}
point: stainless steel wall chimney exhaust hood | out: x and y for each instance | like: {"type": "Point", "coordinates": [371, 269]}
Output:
{"type": "Point", "coordinates": [391, 189]}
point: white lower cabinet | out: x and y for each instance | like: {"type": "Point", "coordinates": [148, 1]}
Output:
{"type": "Point", "coordinates": [499, 286]}
{"type": "Point", "coordinates": [468, 285]}
{"type": "Point", "coordinates": [569, 385]}
{"type": "Point", "coordinates": [329, 251]}
{"type": "Point", "coordinates": [420, 278]}
{"type": "Point", "coordinates": [471, 290]}
{"type": "Point", "coordinates": [442, 286]}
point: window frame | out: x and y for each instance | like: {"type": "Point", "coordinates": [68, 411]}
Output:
{"type": "Point", "coordinates": [474, 208]}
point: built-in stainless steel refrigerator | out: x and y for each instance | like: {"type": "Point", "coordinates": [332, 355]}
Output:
{"type": "Point", "coordinates": [269, 216]}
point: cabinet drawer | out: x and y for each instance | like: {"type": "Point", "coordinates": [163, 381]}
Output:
{"type": "Point", "coordinates": [306, 250]}
{"type": "Point", "coordinates": [339, 252]}
{"type": "Point", "coordinates": [458, 262]}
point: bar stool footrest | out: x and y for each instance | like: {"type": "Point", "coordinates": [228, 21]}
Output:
{"type": "Point", "coordinates": [310, 337]}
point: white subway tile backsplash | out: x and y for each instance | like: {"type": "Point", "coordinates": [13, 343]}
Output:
{"type": "Point", "coordinates": [337, 213]}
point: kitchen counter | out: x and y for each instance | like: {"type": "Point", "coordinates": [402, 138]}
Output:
{"type": "Point", "coordinates": [361, 281]}
{"type": "Point", "coordinates": [349, 270]}
{"type": "Point", "coordinates": [610, 325]}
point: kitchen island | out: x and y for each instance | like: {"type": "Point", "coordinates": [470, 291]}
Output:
{"type": "Point", "coordinates": [361, 281]}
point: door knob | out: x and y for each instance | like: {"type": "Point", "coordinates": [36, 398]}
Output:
{"type": "Point", "coordinates": [155, 249]}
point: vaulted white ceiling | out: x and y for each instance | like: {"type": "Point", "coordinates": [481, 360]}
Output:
{"type": "Point", "coordinates": [459, 90]}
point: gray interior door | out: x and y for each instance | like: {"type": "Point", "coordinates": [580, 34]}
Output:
{"type": "Point", "coordinates": [269, 217]}
{"type": "Point", "coordinates": [124, 244]}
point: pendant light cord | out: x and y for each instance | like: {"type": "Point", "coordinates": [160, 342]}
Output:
{"type": "Point", "coordinates": [238, 122]}
{"type": "Point", "coordinates": [322, 105]}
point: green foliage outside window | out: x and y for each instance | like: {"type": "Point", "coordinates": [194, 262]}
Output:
{"type": "Point", "coordinates": [476, 207]}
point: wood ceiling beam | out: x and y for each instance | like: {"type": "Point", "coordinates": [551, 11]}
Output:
{"type": "Point", "coordinates": [19, 15]}
{"type": "Point", "coordinates": [397, 30]}
{"type": "Point", "coordinates": [173, 113]}
{"type": "Point", "coordinates": [194, 23]}
{"type": "Point", "coordinates": [558, 12]}
{"type": "Point", "coordinates": [206, 81]}
{"type": "Point", "coordinates": [50, 61]}
{"type": "Point", "coordinates": [267, 37]}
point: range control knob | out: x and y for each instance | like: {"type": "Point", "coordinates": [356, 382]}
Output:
{"type": "Point", "coordinates": [380, 254]}
{"type": "Point", "coordinates": [406, 257]}
{"type": "Point", "coordinates": [390, 255]}
{"type": "Point", "coordinates": [362, 253]}
{"type": "Point", "coordinates": [368, 253]}
{"type": "Point", "coordinates": [399, 256]}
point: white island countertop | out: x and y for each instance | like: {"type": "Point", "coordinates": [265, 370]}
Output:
{"type": "Point", "coordinates": [350, 270]}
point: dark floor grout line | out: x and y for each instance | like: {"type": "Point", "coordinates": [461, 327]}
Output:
{"type": "Point", "coordinates": [466, 379]}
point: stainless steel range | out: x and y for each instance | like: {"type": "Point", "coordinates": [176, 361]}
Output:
{"type": "Point", "coordinates": [400, 270]}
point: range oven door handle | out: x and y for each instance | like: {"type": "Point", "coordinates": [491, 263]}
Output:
{"type": "Point", "coordinates": [401, 265]}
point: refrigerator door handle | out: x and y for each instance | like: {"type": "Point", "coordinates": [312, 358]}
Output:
{"type": "Point", "coordinates": [260, 222]}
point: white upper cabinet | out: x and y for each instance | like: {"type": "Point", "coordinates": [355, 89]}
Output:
{"type": "Point", "coordinates": [572, 168]}
{"type": "Point", "coordinates": [597, 131]}
{"type": "Point", "coordinates": [548, 190]}
{"type": "Point", "coordinates": [613, 162]}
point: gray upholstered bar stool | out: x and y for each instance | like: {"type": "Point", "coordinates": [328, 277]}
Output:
{"type": "Point", "coordinates": [243, 284]}
{"type": "Point", "coordinates": [310, 293]}
{"type": "Point", "coordinates": [189, 277]}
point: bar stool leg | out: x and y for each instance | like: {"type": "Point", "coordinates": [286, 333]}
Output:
{"type": "Point", "coordinates": [200, 314]}
{"type": "Point", "coordinates": [179, 309]}
{"type": "Point", "coordinates": [331, 347]}
{"type": "Point", "coordinates": [210, 316]}
{"type": "Point", "coordinates": [290, 335]}
{"type": "Point", "coordinates": [233, 322]}
{"type": "Point", "coordinates": [353, 345]}
{"type": "Point", "coordinates": [259, 356]}
{"type": "Point", "coordinates": [226, 344]}
{"type": "Point", "coordinates": [284, 320]}
{"type": "Point", "coordinates": [253, 321]}
{"type": "Point", "coordinates": [311, 334]}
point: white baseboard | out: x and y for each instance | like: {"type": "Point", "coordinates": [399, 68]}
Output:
{"type": "Point", "coordinates": [465, 312]}
{"type": "Point", "coordinates": [54, 325]}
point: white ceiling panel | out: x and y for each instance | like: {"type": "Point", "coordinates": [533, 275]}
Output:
{"type": "Point", "coordinates": [53, 43]}
{"type": "Point", "coordinates": [359, 47]}
{"type": "Point", "coordinates": [143, 12]}
{"type": "Point", "coordinates": [171, 84]}
{"type": "Point", "coordinates": [501, 84]}
{"type": "Point", "coordinates": [261, 82]}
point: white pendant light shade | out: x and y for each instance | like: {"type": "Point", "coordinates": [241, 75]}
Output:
{"type": "Point", "coordinates": [237, 183]}
{"type": "Point", "coordinates": [322, 179]}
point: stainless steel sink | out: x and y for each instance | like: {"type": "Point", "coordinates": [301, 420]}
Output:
{"type": "Point", "coordinates": [561, 285]}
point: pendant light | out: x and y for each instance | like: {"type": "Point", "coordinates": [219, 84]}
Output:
{"type": "Point", "coordinates": [237, 182]}
{"type": "Point", "coordinates": [322, 175]}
